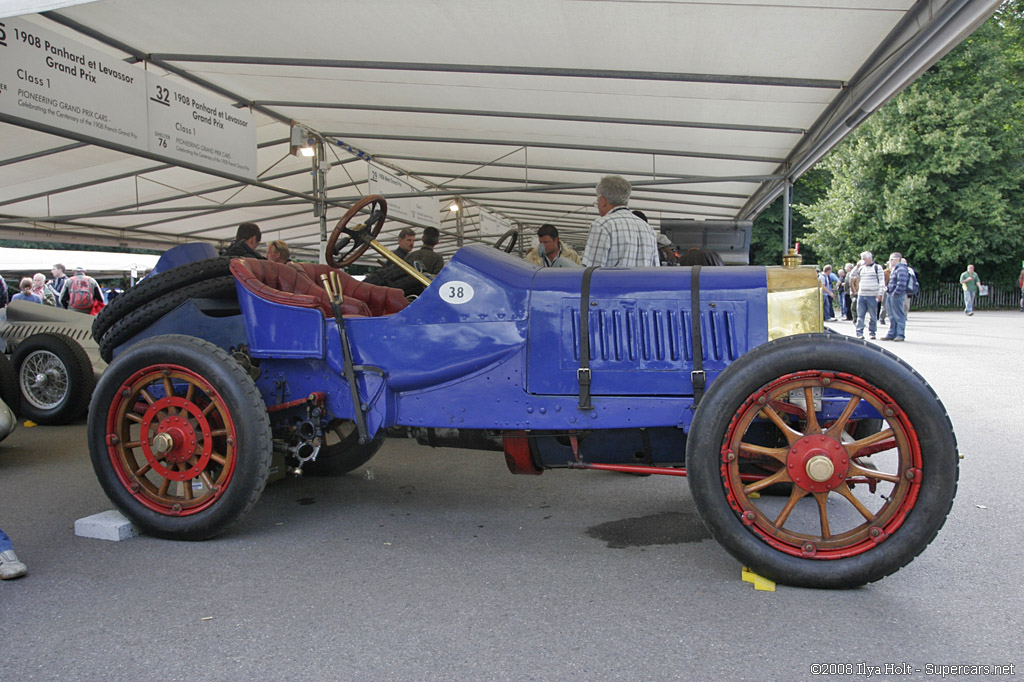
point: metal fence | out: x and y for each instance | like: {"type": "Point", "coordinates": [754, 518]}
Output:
{"type": "Point", "coordinates": [950, 295]}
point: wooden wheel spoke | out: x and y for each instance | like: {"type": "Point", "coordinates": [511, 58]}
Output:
{"type": "Point", "coordinates": [207, 481]}
{"type": "Point", "coordinates": [812, 417]}
{"type": "Point", "coordinates": [143, 470]}
{"type": "Point", "coordinates": [856, 470]}
{"type": "Point", "coordinates": [822, 499]}
{"type": "Point", "coordinates": [794, 497]}
{"type": "Point", "coordinates": [147, 397]}
{"type": "Point", "coordinates": [190, 394]}
{"type": "Point", "coordinates": [218, 432]}
{"type": "Point", "coordinates": [132, 445]}
{"type": "Point", "coordinates": [209, 408]}
{"type": "Point", "coordinates": [761, 451]}
{"type": "Point", "coordinates": [131, 416]}
{"type": "Point", "coordinates": [791, 435]}
{"type": "Point", "coordinates": [162, 492]}
{"type": "Point", "coordinates": [836, 430]}
{"type": "Point", "coordinates": [186, 485]}
{"type": "Point", "coordinates": [876, 442]}
{"type": "Point", "coordinates": [845, 491]}
{"type": "Point", "coordinates": [219, 458]}
{"type": "Point", "coordinates": [168, 387]}
{"type": "Point", "coordinates": [780, 476]}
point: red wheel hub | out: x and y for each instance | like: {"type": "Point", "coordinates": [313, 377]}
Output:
{"type": "Point", "coordinates": [817, 463]}
{"type": "Point", "coordinates": [176, 439]}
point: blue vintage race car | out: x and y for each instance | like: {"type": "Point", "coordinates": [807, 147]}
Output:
{"type": "Point", "coordinates": [815, 459]}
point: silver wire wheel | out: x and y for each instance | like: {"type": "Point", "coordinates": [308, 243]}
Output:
{"type": "Point", "coordinates": [55, 378]}
{"type": "Point", "coordinates": [44, 380]}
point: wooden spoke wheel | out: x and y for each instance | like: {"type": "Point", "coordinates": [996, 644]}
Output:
{"type": "Point", "coordinates": [347, 243]}
{"type": "Point", "coordinates": [179, 437]}
{"type": "Point", "coordinates": [861, 502]}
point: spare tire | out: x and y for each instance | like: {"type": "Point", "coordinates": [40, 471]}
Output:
{"type": "Point", "coordinates": [154, 287]}
{"type": "Point", "coordinates": [134, 322]}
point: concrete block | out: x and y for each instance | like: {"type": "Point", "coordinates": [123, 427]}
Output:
{"type": "Point", "coordinates": [108, 525]}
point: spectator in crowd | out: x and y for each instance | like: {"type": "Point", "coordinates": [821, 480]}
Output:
{"type": "Point", "coordinates": [40, 289]}
{"type": "Point", "coordinates": [881, 304]}
{"type": "Point", "coordinates": [391, 275]}
{"type": "Point", "coordinates": [849, 295]}
{"type": "Point", "coordinates": [247, 238]}
{"type": "Point", "coordinates": [896, 292]}
{"type": "Point", "coordinates": [551, 252]}
{"type": "Point", "coordinates": [3, 293]}
{"type": "Point", "coordinates": [1020, 283]}
{"type": "Point", "coordinates": [828, 282]}
{"type": "Point", "coordinates": [81, 293]}
{"type": "Point", "coordinates": [59, 281]}
{"type": "Point", "coordinates": [429, 261]}
{"type": "Point", "coordinates": [854, 279]}
{"type": "Point", "coordinates": [424, 259]}
{"type": "Point", "coordinates": [666, 253]}
{"type": "Point", "coordinates": [278, 251]}
{"type": "Point", "coordinates": [912, 287]}
{"type": "Point", "coordinates": [619, 239]}
{"type": "Point", "coordinates": [10, 566]}
{"type": "Point", "coordinates": [26, 292]}
{"type": "Point", "coordinates": [406, 240]}
{"type": "Point", "coordinates": [971, 283]}
{"type": "Point", "coordinates": [870, 287]}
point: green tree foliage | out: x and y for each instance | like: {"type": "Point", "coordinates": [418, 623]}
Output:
{"type": "Point", "coordinates": [766, 239]}
{"type": "Point", "coordinates": [938, 173]}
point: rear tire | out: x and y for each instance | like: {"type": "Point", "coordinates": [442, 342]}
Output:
{"type": "Point", "coordinates": [55, 378]}
{"type": "Point", "coordinates": [343, 453]}
{"type": "Point", "coordinates": [179, 437]}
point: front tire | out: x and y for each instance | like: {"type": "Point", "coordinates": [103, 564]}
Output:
{"type": "Point", "coordinates": [179, 437]}
{"type": "Point", "coordinates": [860, 508]}
{"type": "Point", "coordinates": [55, 378]}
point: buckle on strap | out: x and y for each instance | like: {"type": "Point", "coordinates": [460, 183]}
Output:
{"type": "Point", "coordinates": [583, 376]}
{"type": "Point", "coordinates": [698, 378]}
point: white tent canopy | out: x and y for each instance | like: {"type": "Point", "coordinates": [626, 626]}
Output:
{"type": "Point", "coordinates": [515, 108]}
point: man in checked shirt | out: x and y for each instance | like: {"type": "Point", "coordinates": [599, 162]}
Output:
{"type": "Point", "coordinates": [619, 239]}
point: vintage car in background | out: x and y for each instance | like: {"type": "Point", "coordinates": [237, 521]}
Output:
{"type": "Point", "coordinates": [55, 361]}
{"type": "Point", "coordinates": [815, 459]}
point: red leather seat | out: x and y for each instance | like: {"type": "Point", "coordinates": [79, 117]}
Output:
{"type": "Point", "coordinates": [286, 285]}
{"type": "Point", "coordinates": [380, 300]}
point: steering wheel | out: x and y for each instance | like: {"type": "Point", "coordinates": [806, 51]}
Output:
{"type": "Point", "coordinates": [358, 237]}
{"type": "Point", "coordinates": [512, 236]}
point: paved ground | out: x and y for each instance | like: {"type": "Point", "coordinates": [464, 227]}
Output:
{"type": "Point", "coordinates": [442, 566]}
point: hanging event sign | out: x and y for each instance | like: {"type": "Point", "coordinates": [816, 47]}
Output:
{"type": "Point", "coordinates": [420, 210]}
{"type": "Point", "coordinates": [51, 80]}
{"type": "Point", "coordinates": [492, 225]}
{"type": "Point", "coordinates": [195, 127]}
